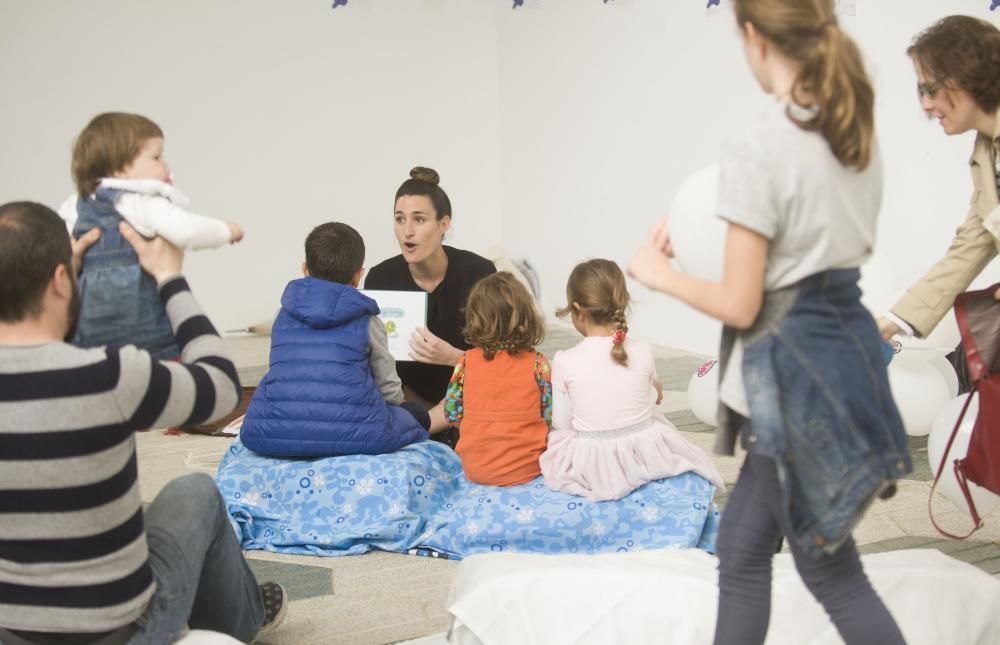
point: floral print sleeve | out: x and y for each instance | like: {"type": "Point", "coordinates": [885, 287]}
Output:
{"type": "Point", "coordinates": [543, 376]}
{"type": "Point", "coordinates": [453, 407]}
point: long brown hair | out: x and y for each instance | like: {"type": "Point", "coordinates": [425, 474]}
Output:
{"type": "Point", "coordinates": [831, 71]}
{"type": "Point", "coordinates": [598, 288]}
{"type": "Point", "coordinates": [962, 51]}
{"type": "Point", "coordinates": [501, 314]}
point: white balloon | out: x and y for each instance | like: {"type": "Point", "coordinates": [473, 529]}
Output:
{"type": "Point", "coordinates": [909, 351]}
{"type": "Point", "coordinates": [703, 393]}
{"type": "Point", "coordinates": [921, 386]}
{"type": "Point", "coordinates": [697, 235]}
{"type": "Point", "coordinates": [986, 502]}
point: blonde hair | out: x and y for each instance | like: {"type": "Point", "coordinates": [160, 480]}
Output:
{"type": "Point", "coordinates": [501, 314]}
{"type": "Point", "coordinates": [109, 143]}
{"type": "Point", "coordinates": [831, 71]}
{"type": "Point", "coordinates": [598, 288]}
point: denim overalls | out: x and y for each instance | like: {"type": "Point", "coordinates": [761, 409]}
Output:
{"type": "Point", "coordinates": [120, 304]}
{"type": "Point", "coordinates": [820, 406]}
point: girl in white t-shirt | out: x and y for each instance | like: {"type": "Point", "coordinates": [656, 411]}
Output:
{"type": "Point", "coordinates": [608, 437]}
{"type": "Point", "coordinates": [804, 381]}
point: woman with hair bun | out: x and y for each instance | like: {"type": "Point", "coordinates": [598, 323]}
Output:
{"type": "Point", "coordinates": [421, 217]}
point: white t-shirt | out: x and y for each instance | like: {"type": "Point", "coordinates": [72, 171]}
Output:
{"type": "Point", "coordinates": [785, 183]}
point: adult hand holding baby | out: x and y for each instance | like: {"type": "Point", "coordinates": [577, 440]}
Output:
{"type": "Point", "coordinates": [158, 257]}
{"type": "Point", "coordinates": [80, 246]}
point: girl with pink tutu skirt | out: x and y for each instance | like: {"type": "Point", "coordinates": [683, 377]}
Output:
{"type": "Point", "coordinates": [608, 436]}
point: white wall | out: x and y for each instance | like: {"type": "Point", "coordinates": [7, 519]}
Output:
{"type": "Point", "coordinates": [562, 128]}
{"type": "Point", "coordinates": [608, 107]}
{"type": "Point", "coordinates": [280, 115]}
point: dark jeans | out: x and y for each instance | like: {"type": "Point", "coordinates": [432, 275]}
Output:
{"type": "Point", "coordinates": [419, 413]}
{"type": "Point", "coordinates": [202, 579]}
{"type": "Point", "coordinates": [751, 525]}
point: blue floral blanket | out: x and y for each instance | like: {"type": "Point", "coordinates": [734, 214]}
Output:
{"type": "Point", "coordinates": [417, 500]}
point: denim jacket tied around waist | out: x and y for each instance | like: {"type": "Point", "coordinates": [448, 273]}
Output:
{"type": "Point", "coordinates": [820, 406]}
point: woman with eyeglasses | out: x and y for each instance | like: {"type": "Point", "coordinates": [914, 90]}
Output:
{"type": "Point", "coordinates": [957, 62]}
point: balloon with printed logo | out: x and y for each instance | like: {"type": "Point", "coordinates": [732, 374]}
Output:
{"type": "Point", "coordinates": [922, 382]}
{"type": "Point", "coordinates": [986, 502]}
{"type": "Point", "coordinates": [697, 235]}
{"type": "Point", "coordinates": [703, 393]}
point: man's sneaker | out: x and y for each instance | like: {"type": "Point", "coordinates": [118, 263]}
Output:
{"type": "Point", "coordinates": [275, 606]}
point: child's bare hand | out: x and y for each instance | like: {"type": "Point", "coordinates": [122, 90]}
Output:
{"type": "Point", "coordinates": [651, 263]}
{"type": "Point", "coordinates": [235, 232]}
{"type": "Point", "coordinates": [659, 391]}
{"type": "Point", "coordinates": [660, 237]}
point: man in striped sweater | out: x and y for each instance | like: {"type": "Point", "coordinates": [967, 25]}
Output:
{"type": "Point", "coordinates": [80, 562]}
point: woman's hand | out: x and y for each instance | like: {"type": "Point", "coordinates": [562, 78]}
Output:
{"type": "Point", "coordinates": [425, 347]}
{"type": "Point", "coordinates": [651, 264]}
{"type": "Point", "coordinates": [887, 329]}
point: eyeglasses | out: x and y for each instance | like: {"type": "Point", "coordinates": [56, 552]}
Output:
{"type": "Point", "coordinates": [929, 90]}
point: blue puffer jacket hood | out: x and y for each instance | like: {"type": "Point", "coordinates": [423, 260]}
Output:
{"type": "Point", "coordinates": [322, 304]}
{"type": "Point", "coordinates": [319, 397]}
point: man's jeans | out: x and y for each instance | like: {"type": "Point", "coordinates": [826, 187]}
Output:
{"type": "Point", "coordinates": [202, 579]}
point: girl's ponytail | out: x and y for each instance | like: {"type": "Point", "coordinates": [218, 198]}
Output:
{"type": "Point", "coordinates": [832, 73]}
{"type": "Point", "coordinates": [618, 352]}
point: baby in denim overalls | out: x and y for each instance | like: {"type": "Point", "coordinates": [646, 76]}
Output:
{"type": "Point", "coordinates": [120, 174]}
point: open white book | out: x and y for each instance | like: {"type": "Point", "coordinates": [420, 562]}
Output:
{"type": "Point", "coordinates": [402, 313]}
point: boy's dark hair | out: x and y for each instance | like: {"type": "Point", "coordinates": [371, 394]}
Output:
{"type": "Point", "coordinates": [501, 314]}
{"type": "Point", "coordinates": [109, 143]}
{"type": "Point", "coordinates": [33, 242]}
{"type": "Point", "coordinates": [962, 51]}
{"type": "Point", "coordinates": [334, 252]}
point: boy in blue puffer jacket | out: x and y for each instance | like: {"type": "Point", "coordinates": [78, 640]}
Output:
{"type": "Point", "coordinates": [331, 388]}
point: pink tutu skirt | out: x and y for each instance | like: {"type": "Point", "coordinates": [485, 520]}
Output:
{"type": "Point", "coordinates": [609, 464]}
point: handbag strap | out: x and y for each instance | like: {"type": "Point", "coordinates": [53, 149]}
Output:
{"type": "Point", "coordinates": [959, 475]}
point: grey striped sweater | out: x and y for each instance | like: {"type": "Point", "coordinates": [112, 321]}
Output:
{"type": "Point", "coordinates": [73, 552]}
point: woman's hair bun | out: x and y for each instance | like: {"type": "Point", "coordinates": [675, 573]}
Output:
{"type": "Point", "coordinates": [425, 174]}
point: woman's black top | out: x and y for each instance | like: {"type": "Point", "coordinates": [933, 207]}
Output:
{"type": "Point", "coordinates": [445, 312]}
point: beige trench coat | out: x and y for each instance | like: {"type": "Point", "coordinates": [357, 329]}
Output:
{"type": "Point", "coordinates": [974, 245]}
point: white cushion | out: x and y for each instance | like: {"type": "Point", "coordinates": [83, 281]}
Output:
{"type": "Point", "coordinates": [671, 597]}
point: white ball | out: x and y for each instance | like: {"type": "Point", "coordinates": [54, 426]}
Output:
{"type": "Point", "coordinates": [986, 502]}
{"type": "Point", "coordinates": [920, 387]}
{"type": "Point", "coordinates": [703, 393]}
{"type": "Point", "coordinates": [697, 235]}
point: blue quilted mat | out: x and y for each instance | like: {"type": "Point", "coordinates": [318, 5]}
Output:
{"type": "Point", "coordinates": [417, 500]}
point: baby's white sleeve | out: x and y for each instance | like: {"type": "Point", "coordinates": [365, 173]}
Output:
{"type": "Point", "coordinates": [152, 215]}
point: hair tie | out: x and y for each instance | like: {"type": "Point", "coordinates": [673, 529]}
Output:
{"type": "Point", "coordinates": [618, 337]}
